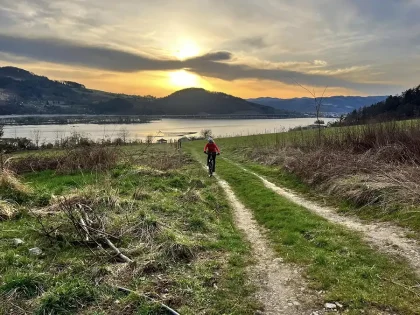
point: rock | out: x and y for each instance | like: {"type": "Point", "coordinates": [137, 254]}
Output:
{"type": "Point", "coordinates": [36, 251]}
{"type": "Point", "coordinates": [290, 304]}
{"type": "Point", "coordinates": [315, 313]}
{"type": "Point", "coordinates": [18, 241]}
{"type": "Point", "coordinates": [339, 305]}
{"type": "Point", "coordinates": [330, 306]}
{"type": "Point", "coordinates": [296, 303]}
{"type": "Point", "coordinates": [278, 260]}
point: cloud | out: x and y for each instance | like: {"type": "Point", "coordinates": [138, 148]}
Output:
{"type": "Point", "coordinates": [320, 63]}
{"type": "Point", "coordinates": [213, 64]}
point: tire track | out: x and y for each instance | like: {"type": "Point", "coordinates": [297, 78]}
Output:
{"type": "Point", "coordinates": [280, 287]}
{"type": "Point", "coordinates": [387, 238]}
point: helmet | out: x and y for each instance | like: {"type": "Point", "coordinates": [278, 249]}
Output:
{"type": "Point", "coordinates": [210, 140]}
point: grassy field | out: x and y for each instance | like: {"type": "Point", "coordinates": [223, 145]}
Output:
{"type": "Point", "coordinates": [155, 206]}
{"type": "Point", "coordinates": [335, 260]}
{"type": "Point", "coordinates": [371, 170]}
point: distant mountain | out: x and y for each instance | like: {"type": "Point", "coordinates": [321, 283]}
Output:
{"type": "Point", "coordinates": [23, 92]}
{"type": "Point", "coordinates": [404, 106]}
{"type": "Point", "coordinates": [333, 104]}
{"type": "Point", "coordinates": [195, 100]}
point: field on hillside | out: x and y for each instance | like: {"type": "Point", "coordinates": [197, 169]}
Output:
{"type": "Point", "coordinates": [371, 170]}
{"type": "Point", "coordinates": [355, 265]}
{"type": "Point", "coordinates": [117, 230]}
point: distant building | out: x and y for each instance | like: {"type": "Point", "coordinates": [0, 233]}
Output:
{"type": "Point", "coordinates": [162, 141]}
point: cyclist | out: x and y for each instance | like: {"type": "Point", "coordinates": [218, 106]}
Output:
{"type": "Point", "coordinates": [211, 149]}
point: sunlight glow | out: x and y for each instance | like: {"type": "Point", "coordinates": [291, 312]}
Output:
{"type": "Point", "coordinates": [184, 79]}
{"type": "Point", "coordinates": [188, 50]}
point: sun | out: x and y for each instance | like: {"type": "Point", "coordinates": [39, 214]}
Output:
{"type": "Point", "coordinates": [184, 79]}
{"type": "Point", "coordinates": [188, 50]}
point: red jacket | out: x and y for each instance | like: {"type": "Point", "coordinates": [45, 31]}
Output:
{"type": "Point", "coordinates": [211, 147]}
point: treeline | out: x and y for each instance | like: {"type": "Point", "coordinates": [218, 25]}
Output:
{"type": "Point", "coordinates": [69, 120]}
{"type": "Point", "coordinates": [404, 106]}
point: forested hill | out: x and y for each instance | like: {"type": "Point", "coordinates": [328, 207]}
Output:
{"type": "Point", "coordinates": [404, 106]}
{"type": "Point", "coordinates": [331, 104]}
{"type": "Point", "coordinates": [23, 92]}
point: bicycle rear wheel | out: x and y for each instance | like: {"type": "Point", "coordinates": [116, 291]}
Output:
{"type": "Point", "coordinates": [211, 161]}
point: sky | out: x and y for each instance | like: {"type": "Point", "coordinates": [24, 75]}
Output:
{"type": "Point", "coordinates": [248, 48]}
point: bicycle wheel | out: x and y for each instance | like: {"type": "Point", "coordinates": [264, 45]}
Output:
{"type": "Point", "coordinates": [211, 166]}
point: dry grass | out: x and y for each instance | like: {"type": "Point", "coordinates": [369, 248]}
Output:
{"type": "Point", "coordinates": [141, 194]}
{"type": "Point", "coordinates": [159, 162]}
{"type": "Point", "coordinates": [93, 158]}
{"type": "Point", "coordinates": [364, 179]}
{"type": "Point", "coordinates": [366, 165]}
{"type": "Point", "coordinates": [9, 180]}
{"type": "Point", "coordinates": [7, 210]}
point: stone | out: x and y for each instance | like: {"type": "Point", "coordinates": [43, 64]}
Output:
{"type": "Point", "coordinates": [36, 251]}
{"type": "Point", "coordinates": [18, 241]}
{"type": "Point", "coordinates": [339, 305]}
{"type": "Point", "coordinates": [330, 306]}
{"type": "Point", "coordinates": [296, 303]}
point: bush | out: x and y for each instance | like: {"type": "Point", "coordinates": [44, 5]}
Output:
{"type": "Point", "coordinates": [82, 158]}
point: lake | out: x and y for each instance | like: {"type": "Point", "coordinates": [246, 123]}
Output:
{"type": "Point", "coordinates": [165, 128]}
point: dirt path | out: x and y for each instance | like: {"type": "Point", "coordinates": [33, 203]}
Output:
{"type": "Point", "coordinates": [387, 238]}
{"type": "Point", "coordinates": [281, 288]}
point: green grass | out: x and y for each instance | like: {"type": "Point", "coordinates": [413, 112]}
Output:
{"type": "Point", "coordinates": [68, 297]}
{"type": "Point", "coordinates": [24, 284]}
{"type": "Point", "coordinates": [335, 260]}
{"type": "Point", "coordinates": [188, 253]}
{"type": "Point", "coordinates": [408, 219]}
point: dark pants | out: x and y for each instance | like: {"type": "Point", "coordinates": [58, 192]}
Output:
{"type": "Point", "coordinates": [213, 154]}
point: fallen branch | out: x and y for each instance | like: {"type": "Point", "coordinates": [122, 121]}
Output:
{"type": "Point", "coordinates": [117, 251]}
{"type": "Point", "coordinates": [84, 227]}
{"type": "Point", "coordinates": [149, 298]}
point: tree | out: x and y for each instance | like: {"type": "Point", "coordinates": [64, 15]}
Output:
{"type": "Point", "coordinates": [149, 139]}
{"type": "Point", "coordinates": [205, 133]}
{"type": "Point", "coordinates": [317, 103]}
{"type": "Point", "coordinates": [1, 130]}
{"type": "Point", "coordinates": [124, 134]}
{"type": "Point", "coordinates": [37, 136]}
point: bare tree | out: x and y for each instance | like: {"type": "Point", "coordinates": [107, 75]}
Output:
{"type": "Point", "coordinates": [37, 136]}
{"type": "Point", "coordinates": [149, 139]}
{"type": "Point", "coordinates": [318, 103]}
{"type": "Point", "coordinates": [124, 134]}
{"type": "Point", "coordinates": [205, 133]}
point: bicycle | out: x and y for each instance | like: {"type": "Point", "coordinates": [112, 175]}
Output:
{"type": "Point", "coordinates": [211, 165]}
